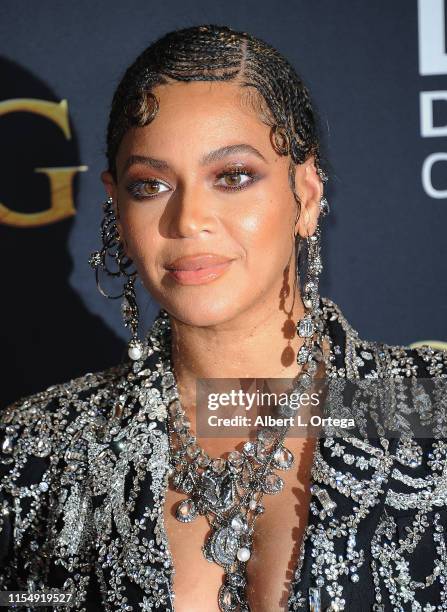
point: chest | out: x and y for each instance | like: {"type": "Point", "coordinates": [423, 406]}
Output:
{"type": "Point", "coordinates": [277, 539]}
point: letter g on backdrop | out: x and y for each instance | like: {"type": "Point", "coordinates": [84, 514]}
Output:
{"type": "Point", "coordinates": [61, 202]}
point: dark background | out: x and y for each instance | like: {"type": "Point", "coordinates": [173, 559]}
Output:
{"type": "Point", "coordinates": [384, 246]}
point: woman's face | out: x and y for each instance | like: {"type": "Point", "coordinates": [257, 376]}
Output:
{"type": "Point", "coordinates": [203, 178]}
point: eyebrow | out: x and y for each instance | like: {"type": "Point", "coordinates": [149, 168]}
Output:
{"type": "Point", "coordinates": [208, 158]}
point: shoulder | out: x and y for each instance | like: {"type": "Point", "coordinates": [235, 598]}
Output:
{"type": "Point", "coordinates": [41, 422]}
{"type": "Point", "coordinates": [44, 444]}
{"type": "Point", "coordinates": [26, 407]}
{"type": "Point", "coordinates": [355, 357]}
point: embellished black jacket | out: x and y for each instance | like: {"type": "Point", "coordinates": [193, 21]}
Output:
{"type": "Point", "coordinates": [84, 471]}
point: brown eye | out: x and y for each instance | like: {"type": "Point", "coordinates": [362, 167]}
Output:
{"type": "Point", "coordinates": [146, 189]}
{"type": "Point", "coordinates": [151, 188]}
{"type": "Point", "coordinates": [234, 179]}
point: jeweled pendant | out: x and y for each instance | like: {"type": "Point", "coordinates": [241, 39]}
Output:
{"type": "Point", "coordinates": [235, 459]}
{"type": "Point", "coordinates": [272, 484]}
{"type": "Point", "coordinates": [135, 349]}
{"type": "Point", "coordinates": [186, 511]}
{"type": "Point", "coordinates": [227, 599]}
{"type": "Point", "coordinates": [185, 484]}
{"type": "Point", "coordinates": [218, 490]}
{"type": "Point", "coordinates": [303, 354]}
{"type": "Point", "coordinates": [283, 458]}
{"type": "Point", "coordinates": [307, 303]}
{"type": "Point", "coordinates": [249, 449]}
{"type": "Point", "coordinates": [262, 454]}
{"type": "Point", "coordinates": [312, 367]}
{"type": "Point", "coordinates": [203, 459]}
{"type": "Point", "coordinates": [239, 523]}
{"type": "Point", "coordinates": [224, 546]}
{"type": "Point", "coordinates": [306, 327]}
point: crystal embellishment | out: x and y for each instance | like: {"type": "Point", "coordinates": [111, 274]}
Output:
{"type": "Point", "coordinates": [323, 496]}
{"type": "Point", "coordinates": [186, 511]}
{"type": "Point", "coordinates": [272, 483]}
{"type": "Point", "coordinates": [306, 327]}
{"type": "Point", "coordinates": [239, 523]}
{"type": "Point", "coordinates": [224, 546]}
{"type": "Point", "coordinates": [218, 490]}
{"type": "Point", "coordinates": [282, 458]}
{"type": "Point", "coordinates": [227, 598]}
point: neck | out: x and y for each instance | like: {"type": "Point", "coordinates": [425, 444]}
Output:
{"type": "Point", "coordinates": [260, 343]}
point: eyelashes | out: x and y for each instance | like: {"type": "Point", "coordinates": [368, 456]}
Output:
{"type": "Point", "coordinates": [137, 188]}
{"type": "Point", "coordinates": [237, 172]}
{"type": "Point", "coordinates": [141, 189]}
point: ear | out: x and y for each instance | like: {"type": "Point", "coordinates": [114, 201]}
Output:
{"type": "Point", "coordinates": [111, 188]}
{"type": "Point", "coordinates": [112, 192]}
{"type": "Point", "coordinates": [309, 187]}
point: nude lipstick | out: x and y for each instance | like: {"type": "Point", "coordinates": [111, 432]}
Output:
{"type": "Point", "coordinates": [198, 269]}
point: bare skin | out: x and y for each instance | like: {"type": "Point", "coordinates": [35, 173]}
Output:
{"type": "Point", "coordinates": [242, 324]}
{"type": "Point", "coordinates": [278, 534]}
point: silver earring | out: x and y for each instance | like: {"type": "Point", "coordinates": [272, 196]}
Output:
{"type": "Point", "coordinates": [114, 262]}
{"type": "Point", "coordinates": [324, 207]}
{"type": "Point", "coordinates": [311, 322]}
{"type": "Point", "coordinates": [130, 313]}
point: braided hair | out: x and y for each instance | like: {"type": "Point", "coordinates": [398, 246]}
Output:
{"type": "Point", "coordinates": [219, 53]}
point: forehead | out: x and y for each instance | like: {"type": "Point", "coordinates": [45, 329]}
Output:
{"type": "Point", "coordinates": [208, 99]}
{"type": "Point", "coordinates": [202, 115]}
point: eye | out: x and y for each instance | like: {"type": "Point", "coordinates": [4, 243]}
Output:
{"type": "Point", "coordinates": [233, 179]}
{"type": "Point", "coordinates": [230, 180]}
{"type": "Point", "coordinates": [148, 188]}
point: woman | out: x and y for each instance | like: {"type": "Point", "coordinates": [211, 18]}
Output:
{"type": "Point", "coordinates": [214, 188]}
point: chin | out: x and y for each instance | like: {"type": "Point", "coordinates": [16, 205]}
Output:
{"type": "Point", "coordinates": [203, 311]}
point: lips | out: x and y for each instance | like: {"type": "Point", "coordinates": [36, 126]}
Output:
{"type": "Point", "coordinates": [198, 269]}
{"type": "Point", "coordinates": [197, 262]}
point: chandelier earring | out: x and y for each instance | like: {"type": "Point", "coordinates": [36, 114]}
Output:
{"type": "Point", "coordinates": [311, 321]}
{"type": "Point", "coordinates": [113, 260]}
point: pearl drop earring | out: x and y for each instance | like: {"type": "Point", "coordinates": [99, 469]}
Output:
{"type": "Point", "coordinates": [113, 260]}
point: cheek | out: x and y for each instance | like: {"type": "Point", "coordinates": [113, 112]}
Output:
{"type": "Point", "coordinates": [141, 230]}
{"type": "Point", "coordinates": [267, 230]}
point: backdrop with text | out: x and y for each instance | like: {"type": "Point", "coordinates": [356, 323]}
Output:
{"type": "Point", "coordinates": [377, 72]}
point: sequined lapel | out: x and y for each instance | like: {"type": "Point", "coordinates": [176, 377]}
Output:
{"type": "Point", "coordinates": [349, 481]}
{"type": "Point", "coordinates": [128, 463]}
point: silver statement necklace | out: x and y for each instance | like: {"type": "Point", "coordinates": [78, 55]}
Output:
{"type": "Point", "coordinates": [229, 491]}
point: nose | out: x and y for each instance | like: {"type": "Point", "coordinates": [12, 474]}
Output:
{"type": "Point", "coordinates": [191, 212]}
